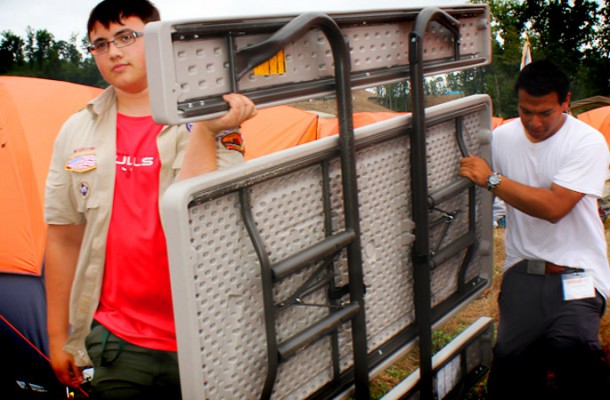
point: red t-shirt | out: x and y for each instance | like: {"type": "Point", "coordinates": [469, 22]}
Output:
{"type": "Point", "coordinates": [136, 303]}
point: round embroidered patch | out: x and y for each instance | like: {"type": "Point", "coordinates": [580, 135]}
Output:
{"type": "Point", "coordinates": [84, 189]}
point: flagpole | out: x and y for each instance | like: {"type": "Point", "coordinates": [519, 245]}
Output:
{"type": "Point", "coordinates": [526, 55]}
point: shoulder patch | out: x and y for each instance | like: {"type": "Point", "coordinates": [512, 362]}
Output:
{"type": "Point", "coordinates": [84, 189]}
{"type": "Point", "coordinates": [231, 139]}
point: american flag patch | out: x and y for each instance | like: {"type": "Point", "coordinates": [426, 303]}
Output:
{"type": "Point", "coordinates": [81, 162]}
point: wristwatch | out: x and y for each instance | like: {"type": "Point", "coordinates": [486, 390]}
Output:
{"type": "Point", "coordinates": [493, 181]}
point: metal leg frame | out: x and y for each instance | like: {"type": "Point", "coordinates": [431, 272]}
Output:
{"type": "Point", "coordinates": [247, 59]}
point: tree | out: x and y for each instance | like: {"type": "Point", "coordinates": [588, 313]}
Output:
{"type": "Point", "coordinates": [40, 55]}
{"type": "Point", "coordinates": [11, 52]}
{"type": "Point", "coordinates": [565, 33]}
{"type": "Point", "coordinates": [394, 96]}
{"type": "Point", "coordinates": [574, 34]}
{"type": "Point", "coordinates": [603, 42]}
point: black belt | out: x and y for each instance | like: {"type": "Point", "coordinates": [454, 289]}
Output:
{"type": "Point", "coordinates": [541, 267]}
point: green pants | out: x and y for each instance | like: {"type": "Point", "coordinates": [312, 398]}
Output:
{"type": "Point", "coordinates": [125, 371]}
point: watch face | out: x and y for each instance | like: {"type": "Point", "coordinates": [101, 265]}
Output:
{"type": "Point", "coordinates": [494, 179]}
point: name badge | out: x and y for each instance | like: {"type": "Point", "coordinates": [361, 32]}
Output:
{"type": "Point", "coordinates": [577, 286]}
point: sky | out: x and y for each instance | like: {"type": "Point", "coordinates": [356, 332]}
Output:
{"type": "Point", "coordinates": [63, 18]}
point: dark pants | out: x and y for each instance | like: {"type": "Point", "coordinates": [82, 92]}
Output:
{"type": "Point", "coordinates": [547, 348]}
{"type": "Point", "coordinates": [125, 371]}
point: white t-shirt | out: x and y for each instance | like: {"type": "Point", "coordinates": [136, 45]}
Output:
{"type": "Point", "coordinates": [576, 157]}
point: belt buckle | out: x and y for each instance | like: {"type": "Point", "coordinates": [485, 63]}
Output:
{"type": "Point", "coordinates": [536, 267]}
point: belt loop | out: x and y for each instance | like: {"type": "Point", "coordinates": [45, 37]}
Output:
{"type": "Point", "coordinates": [536, 267]}
{"type": "Point", "coordinates": [103, 361]}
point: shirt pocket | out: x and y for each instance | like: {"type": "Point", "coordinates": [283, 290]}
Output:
{"type": "Point", "coordinates": [85, 190]}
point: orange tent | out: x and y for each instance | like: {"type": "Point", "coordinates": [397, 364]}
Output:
{"type": "Point", "coordinates": [31, 114]}
{"type": "Point", "coordinates": [277, 128]}
{"type": "Point", "coordinates": [599, 118]}
{"type": "Point", "coordinates": [330, 126]}
{"type": "Point", "coordinates": [496, 122]}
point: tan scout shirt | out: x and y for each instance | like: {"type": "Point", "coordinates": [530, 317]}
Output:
{"type": "Point", "coordinates": [80, 189]}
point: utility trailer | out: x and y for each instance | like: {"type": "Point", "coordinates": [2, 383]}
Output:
{"type": "Point", "coordinates": [304, 273]}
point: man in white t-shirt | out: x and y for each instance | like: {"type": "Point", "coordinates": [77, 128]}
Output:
{"type": "Point", "coordinates": [549, 169]}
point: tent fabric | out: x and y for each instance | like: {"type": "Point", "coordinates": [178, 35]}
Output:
{"type": "Point", "coordinates": [496, 122]}
{"type": "Point", "coordinates": [598, 118]}
{"type": "Point", "coordinates": [589, 103]}
{"type": "Point", "coordinates": [23, 312]}
{"type": "Point", "coordinates": [32, 112]}
{"type": "Point", "coordinates": [277, 128]}
{"type": "Point", "coordinates": [281, 127]}
{"type": "Point", "coordinates": [330, 126]}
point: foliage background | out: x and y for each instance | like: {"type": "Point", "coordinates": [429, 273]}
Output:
{"type": "Point", "coordinates": [40, 55]}
{"type": "Point", "coordinates": [574, 34]}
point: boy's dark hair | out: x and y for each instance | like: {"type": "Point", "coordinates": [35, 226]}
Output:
{"type": "Point", "coordinates": [542, 77]}
{"type": "Point", "coordinates": [109, 11]}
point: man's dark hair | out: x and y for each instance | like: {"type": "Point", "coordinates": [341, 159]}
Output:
{"type": "Point", "coordinates": [542, 77]}
{"type": "Point", "coordinates": [113, 11]}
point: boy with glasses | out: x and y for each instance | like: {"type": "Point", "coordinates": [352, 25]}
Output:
{"type": "Point", "coordinates": [107, 273]}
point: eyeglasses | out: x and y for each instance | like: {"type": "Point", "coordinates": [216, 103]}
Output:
{"type": "Point", "coordinates": [123, 40]}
